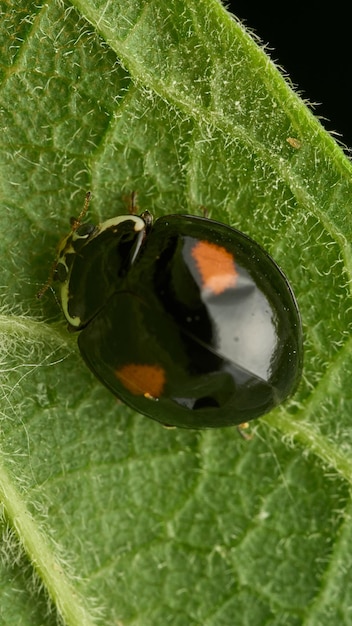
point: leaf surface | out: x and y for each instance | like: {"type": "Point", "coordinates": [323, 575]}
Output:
{"type": "Point", "coordinates": [113, 518]}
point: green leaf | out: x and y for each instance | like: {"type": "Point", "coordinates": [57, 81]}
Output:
{"type": "Point", "coordinates": [107, 517]}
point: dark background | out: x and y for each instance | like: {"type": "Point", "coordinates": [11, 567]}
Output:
{"type": "Point", "coordinates": [315, 48]}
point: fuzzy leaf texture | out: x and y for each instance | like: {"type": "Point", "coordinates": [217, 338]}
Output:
{"type": "Point", "coordinates": [107, 518]}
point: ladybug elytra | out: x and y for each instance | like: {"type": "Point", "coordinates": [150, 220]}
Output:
{"type": "Point", "coordinates": [186, 320]}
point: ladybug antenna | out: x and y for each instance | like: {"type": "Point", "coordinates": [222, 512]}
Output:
{"type": "Point", "coordinates": [48, 283]}
{"type": "Point", "coordinates": [75, 223]}
{"type": "Point", "coordinates": [133, 205]}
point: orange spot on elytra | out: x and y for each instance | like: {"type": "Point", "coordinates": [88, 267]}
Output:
{"type": "Point", "coordinates": [216, 266]}
{"type": "Point", "coordinates": [142, 380]}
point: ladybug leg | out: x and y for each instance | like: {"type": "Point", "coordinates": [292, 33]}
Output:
{"type": "Point", "coordinates": [241, 428]}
